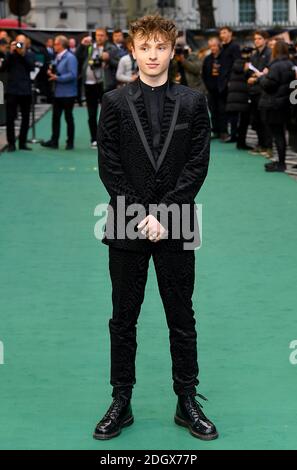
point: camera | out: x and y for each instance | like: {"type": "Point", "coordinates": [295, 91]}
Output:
{"type": "Point", "coordinates": [53, 69]}
{"type": "Point", "coordinates": [19, 45]}
{"type": "Point", "coordinates": [179, 50]}
{"type": "Point", "coordinates": [96, 62]}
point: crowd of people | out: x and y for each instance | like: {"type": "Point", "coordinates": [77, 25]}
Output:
{"type": "Point", "coordinates": [247, 86]}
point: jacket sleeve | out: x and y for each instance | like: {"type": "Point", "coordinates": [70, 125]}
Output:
{"type": "Point", "coordinates": [71, 72]}
{"type": "Point", "coordinates": [29, 60]}
{"type": "Point", "coordinates": [109, 161]}
{"type": "Point", "coordinates": [270, 82]}
{"type": "Point", "coordinates": [123, 73]}
{"type": "Point", "coordinates": [114, 57]}
{"type": "Point", "coordinates": [195, 170]}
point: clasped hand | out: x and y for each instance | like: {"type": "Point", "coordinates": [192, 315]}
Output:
{"type": "Point", "coordinates": [152, 229]}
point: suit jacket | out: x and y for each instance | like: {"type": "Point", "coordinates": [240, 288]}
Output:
{"type": "Point", "coordinates": [66, 83]}
{"type": "Point", "coordinates": [127, 166]}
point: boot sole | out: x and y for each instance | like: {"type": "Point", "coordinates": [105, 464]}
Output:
{"type": "Point", "coordinates": [103, 437]}
{"type": "Point", "coordinates": [204, 437]}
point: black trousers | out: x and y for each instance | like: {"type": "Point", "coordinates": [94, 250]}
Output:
{"type": "Point", "coordinates": [175, 274]}
{"type": "Point", "coordinates": [93, 97]}
{"type": "Point", "coordinates": [60, 105]}
{"type": "Point", "coordinates": [12, 103]}
{"type": "Point", "coordinates": [278, 131]}
{"type": "Point", "coordinates": [244, 121]}
{"type": "Point", "coordinates": [259, 123]}
{"type": "Point", "coordinates": [217, 105]}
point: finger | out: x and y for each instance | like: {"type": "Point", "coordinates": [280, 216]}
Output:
{"type": "Point", "coordinates": [142, 223]}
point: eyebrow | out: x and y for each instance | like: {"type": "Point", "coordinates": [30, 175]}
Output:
{"type": "Point", "coordinates": [158, 43]}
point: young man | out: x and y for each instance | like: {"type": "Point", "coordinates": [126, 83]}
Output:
{"type": "Point", "coordinates": [230, 53]}
{"type": "Point", "coordinates": [260, 60]}
{"type": "Point", "coordinates": [153, 150]}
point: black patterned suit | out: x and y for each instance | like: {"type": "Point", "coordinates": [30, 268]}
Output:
{"type": "Point", "coordinates": [128, 167]}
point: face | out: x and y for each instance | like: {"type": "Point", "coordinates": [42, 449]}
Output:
{"type": "Point", "coordinates": [118, 38]}
{"type": "Point", "coordinates": [21, 38]}
{"type": "Point", "coordinates": [153, 57]}
{"type": "Point", "coordinates": [225, 36]}
{"type": "Point", "coordinates": [3, 35]}
{"type": "Point", "coordinates": [259, 41]}
{"type": "Point", "coordinates": [101, 37]}
{"type": "Point", "coordinates": [72, 43]}
{"type": "Point", "coordinates": [272, 43]}
{"type": "Point", "coordinates": [214, 46]}
{"type": "Point", "coordinates": [58, 46]}
{"type": "Point", "coordinates": [50, 43]}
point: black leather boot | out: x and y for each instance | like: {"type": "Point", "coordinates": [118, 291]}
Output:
{"type": "Point", "coordinates": [189, 414]}
{"type": "Point", "coordinates": [117, 416]}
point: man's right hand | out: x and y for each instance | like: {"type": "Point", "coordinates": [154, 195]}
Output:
{"type": "Point", "coordinates": [87, 41]}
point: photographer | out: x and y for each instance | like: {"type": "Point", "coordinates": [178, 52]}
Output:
{"type": "Point", "coordinates": [186, 68]}
{"type": "Point", "coordinates": [98, 64]}
{"type": "Point", "coordinates": [63, 72]}
{"type": "Point", "coordinates": [18, 64]}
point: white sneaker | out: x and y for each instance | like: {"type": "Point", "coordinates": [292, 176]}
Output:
{"type": "Point", "coordinates": [94, 145]}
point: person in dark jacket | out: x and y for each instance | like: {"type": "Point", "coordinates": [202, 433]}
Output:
{"type": "Point", "coordinates": [18, 63]}
{"type": "Point", "coordinates": [98, 63]}
{"type": "Point", "coordinates": [216, 100]}
{"type": "Point", "coordinates": [238, 102]}
{"type": "Point", "coordinates": [275, 83]}
{"type": "Point", "coordinates": [260, 59]}
{"type": "Point", "coordinates": [230, 53]}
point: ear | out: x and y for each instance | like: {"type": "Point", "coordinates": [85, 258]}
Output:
{"type": "Point", "coordinates": [133, 52]}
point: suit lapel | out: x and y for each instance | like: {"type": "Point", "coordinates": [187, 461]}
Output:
{"type": "Point", "coordinates": [170, 113]}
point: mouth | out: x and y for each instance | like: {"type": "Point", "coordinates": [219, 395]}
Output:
{"type": "Point", "coordinates": [152, 66]}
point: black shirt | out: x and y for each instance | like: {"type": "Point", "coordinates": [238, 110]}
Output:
{"type": "Point", "coordinates": [154, 102]}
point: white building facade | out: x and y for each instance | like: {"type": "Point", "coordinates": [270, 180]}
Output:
{"type": "Point", "coordinates": [87, 14]}
{"type": "Point", "coordinates": [77, 14]}
{"type": "Point", "coordinates": [256, 12]}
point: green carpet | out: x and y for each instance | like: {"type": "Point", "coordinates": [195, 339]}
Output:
{"type": "Point", "coordinates": [55, 303]}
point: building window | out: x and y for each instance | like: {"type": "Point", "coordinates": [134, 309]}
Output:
{"type": "Point", "coordinates": [280, 11]}
{"type": "Point", "coordinates": [247, 11]}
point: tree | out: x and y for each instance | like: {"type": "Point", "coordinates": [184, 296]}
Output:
{"type": "Point", "coordinates": [206, 10]}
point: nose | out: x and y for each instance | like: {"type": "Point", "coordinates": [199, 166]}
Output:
{"type": "Point", "coordinates": [153, 55]}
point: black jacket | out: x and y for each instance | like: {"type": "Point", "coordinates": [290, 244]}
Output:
{"type": "Point", "coordinates": [260, 60]}
{"type": "Point", "coordinates": [126, 164]}
{"type": "Point", "coordinates": [210, 81]}
{"type": "Point", "coordinates": [276, 85]}
{"type": "Point", "coordinates": [230, 53]}
{"type": "Point", "coordinates": [18, 68]}
{"type": "Point", "coordinates": [238, 95]}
